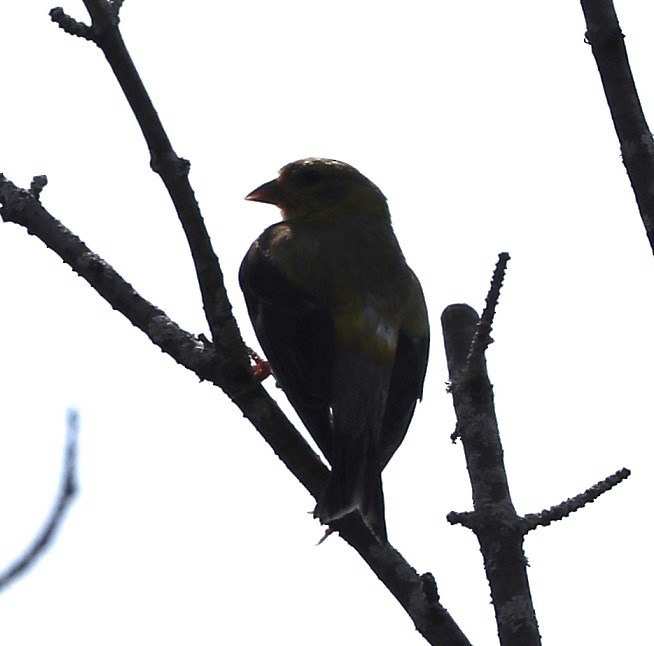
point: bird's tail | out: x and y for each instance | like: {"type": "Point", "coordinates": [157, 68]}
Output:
{"type": "Point", "coordinates": [354, 483]}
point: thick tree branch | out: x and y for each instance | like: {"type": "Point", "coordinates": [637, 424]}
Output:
{"type": "Point", "coordinates": [418, 594]}
{"type": "Point", "coordinates": [23, 208]}
{"type": "Point", "coordinates": [607, 42]}
{"type": "Point", "coordinates": [495, 522]}
{"type": "Point", "coordinates": [67, 492]}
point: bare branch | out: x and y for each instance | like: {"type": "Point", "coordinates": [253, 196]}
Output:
{"type": "Point", "coordinates": [67, 491]}
{"type": "Point", "coordinates": [173, 171]}
{"type": "Point", "coordinates": [70, 25]}
{"type": "Point", "coordinates": [464, 518]}
{"type": "Point", "coordinates": [23, 208]}
{"type": "Point", "coordinates": [636, 143]}
{"type": "Point", "coordinates": [482, 339]}
{"type": "Point", "coordinates": [567, 507]}
{"type": "Point", "coordinates": [39, 182]}
{"type": "Point", "coordinates": [499, 529]}
{"type": "Point", "coordinates": [494, 520]}
{"type": "Point", "coordinates": [417, 594]}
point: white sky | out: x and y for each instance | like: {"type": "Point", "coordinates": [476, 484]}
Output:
{"type": "Point", "coordinates": [486, 127]}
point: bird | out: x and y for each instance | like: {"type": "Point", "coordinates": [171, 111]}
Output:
{"type": "Point", "coordinates": [342, 319]}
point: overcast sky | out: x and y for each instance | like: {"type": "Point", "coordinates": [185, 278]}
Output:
{"type": "Point", "coordinates": [486, 127]}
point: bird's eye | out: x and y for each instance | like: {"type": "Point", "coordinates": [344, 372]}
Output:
{"type": "Point", "coordinates": [307, 177]}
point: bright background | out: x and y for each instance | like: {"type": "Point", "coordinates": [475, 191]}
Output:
{"type": "Point", "coordinates": [486, 126]}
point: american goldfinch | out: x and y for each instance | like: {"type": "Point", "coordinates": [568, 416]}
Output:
{"type": "Point", "coordinates": [343, 321]}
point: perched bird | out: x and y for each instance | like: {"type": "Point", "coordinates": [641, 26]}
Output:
{"type": "Point", "coordinates": [343, 322]}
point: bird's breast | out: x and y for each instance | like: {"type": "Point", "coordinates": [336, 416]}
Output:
{"type": "Point", "coordinates": [357, 271]}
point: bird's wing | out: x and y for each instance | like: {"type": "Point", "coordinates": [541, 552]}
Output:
{"type": "Point", "coordinates": [359, 392]}
{"type": "Point", "coordinates": [407, 377]}
{"type": "Point", "coordinates": [295, 331]}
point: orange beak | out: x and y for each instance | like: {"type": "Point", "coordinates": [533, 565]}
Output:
{"type": "Point", "coordinates": [269, 193]}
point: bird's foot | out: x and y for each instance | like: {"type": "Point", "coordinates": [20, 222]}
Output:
{"type": "Point", "coordinates": [261, 369]}
{"type": "Point", "coordinates": [328, 532]}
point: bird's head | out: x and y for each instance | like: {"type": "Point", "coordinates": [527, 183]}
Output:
{"type": "Point", "coordinates": [318, 188]}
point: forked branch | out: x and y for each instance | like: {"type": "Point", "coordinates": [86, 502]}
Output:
{"type": "Point", "coordinates": [223, 360]}
{"type": "Point", "coordinates": [499, 529]}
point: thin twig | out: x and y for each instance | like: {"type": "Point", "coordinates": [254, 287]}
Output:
{"type": "Point", "coordinates": [482, 339]}
{"type": "Point", "coordinates": [567, 507]}
{"type": "Point", "coordinates": [70, 25]}
{"type": "Point", "coordinates": [67, 492]}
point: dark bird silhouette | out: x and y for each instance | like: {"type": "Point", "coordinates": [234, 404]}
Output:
{"type": "Point", "coordinates": [342, 320]}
